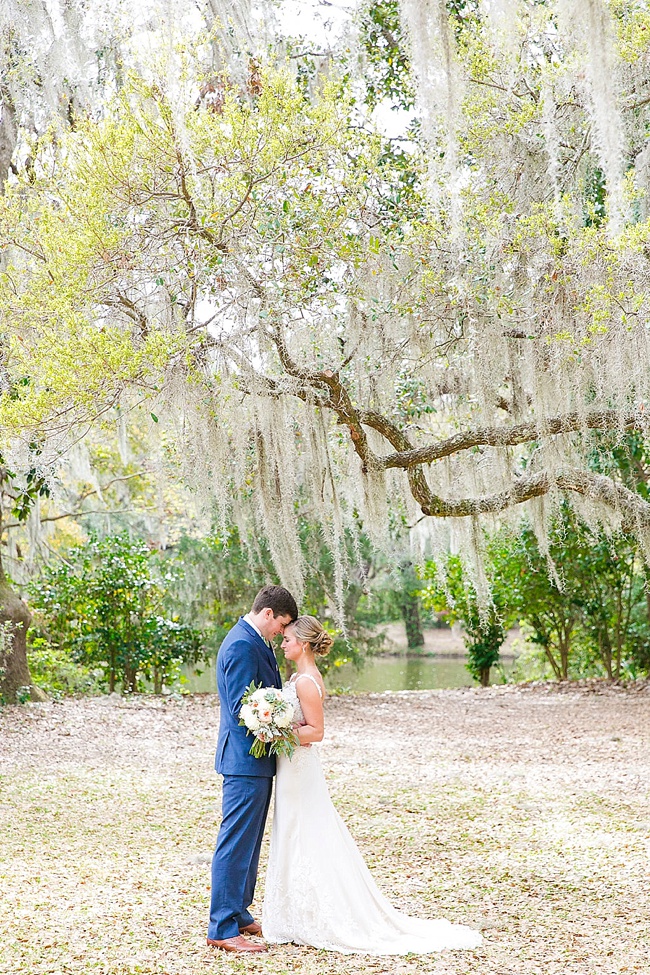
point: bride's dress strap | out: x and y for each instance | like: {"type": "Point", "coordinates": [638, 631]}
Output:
{"type": "Point", "coordinates": [309, 676]}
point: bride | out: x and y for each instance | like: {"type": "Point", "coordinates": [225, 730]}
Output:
{"type": "Point", "coordinates": [319, 891]}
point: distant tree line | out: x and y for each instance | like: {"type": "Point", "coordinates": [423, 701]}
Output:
{"type": "Point", "coordinates": [583, 601]}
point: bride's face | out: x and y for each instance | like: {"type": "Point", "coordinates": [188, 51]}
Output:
{"type": "Point", "coordinates": [291, 646]}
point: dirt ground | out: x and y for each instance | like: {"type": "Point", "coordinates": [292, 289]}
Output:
{"type": "Point", "coordinates": [522, 811]}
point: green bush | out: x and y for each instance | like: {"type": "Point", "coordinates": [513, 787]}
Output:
{"type": "Point", "coordinates": [483, 632]}
{"type": "Point", "coordinates": [107, 607]}
{"type": "Point", "coordinates": [55, 672]}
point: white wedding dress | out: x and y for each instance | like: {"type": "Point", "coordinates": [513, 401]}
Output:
{"type": "Point", "coordinates": [319, 891]}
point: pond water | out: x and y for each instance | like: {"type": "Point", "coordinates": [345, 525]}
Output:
{"type": "Point", "coordinates": [379, 674]}
{"type": "Point", "coordinates": [401, 674]}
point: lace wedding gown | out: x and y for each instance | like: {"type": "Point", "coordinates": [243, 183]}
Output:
{"type": "Point", "coordinates": [319, 891]}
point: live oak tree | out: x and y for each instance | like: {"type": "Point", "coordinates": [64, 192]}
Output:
{"type": "Point", "coordinates": [57, 61]}
{"type": "Point", "coordinates": [18, 496]}
{"type": "Point", "coordinates": [420, 351]}
{"type": "Point", "coordinates": [61, 60]}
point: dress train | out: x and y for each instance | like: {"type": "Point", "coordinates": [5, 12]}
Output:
{"type": "Point", "coordinates": [319, 891]}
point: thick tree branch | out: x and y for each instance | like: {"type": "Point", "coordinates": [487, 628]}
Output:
{"type": "Point", "coordinates": [523, 489]}
{"type": "Point", "coordinates": [510, 436]}
{"type": "Point", "coordinates": [599, 487]}
{"type": "Point", "coordinates": [398, 439]}
{"type": "Point", "coordinates": [339, 399]}
{"type": "Point", "coordinates": [631, 506]}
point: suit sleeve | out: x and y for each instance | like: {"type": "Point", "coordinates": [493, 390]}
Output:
{"type": "Point", "coordinates": [241, 666]}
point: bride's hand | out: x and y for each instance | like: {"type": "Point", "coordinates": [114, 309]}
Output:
{"type": "Point", "coordinates": [296, 728]}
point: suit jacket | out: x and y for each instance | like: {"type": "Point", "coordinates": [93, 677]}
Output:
{"type": "Point", "coordinates": [243, 657]}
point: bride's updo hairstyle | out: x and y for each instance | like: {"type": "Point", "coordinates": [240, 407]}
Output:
{"type": "Point", "coordinates": [307, 629]}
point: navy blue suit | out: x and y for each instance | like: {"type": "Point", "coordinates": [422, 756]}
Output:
{"type": "Point", "coordinates": [247, 782]}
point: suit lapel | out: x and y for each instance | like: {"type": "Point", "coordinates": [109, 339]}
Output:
{"type": "Point", "coordinates": [253, 634]}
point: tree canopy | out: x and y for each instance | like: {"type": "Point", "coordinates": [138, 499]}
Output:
{"type": "Point", "coordinates": [417, 332]}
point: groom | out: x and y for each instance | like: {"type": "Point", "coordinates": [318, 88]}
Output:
{"type": "Point", "coordinates": [245, 655]}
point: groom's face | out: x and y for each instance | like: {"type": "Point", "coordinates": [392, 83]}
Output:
{"type": "Point", "coordinates": [272, 626]}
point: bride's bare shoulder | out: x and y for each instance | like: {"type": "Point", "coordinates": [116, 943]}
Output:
{"type": "Point", "coordinates": [312, 684]}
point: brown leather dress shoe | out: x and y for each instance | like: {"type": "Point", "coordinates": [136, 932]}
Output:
{"type": "Point", "coordinates": [253, 928]}
{"type": "Point", "coordinates": [238, 944]}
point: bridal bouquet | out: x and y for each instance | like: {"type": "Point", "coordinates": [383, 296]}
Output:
{"type": "Point", "coordinates": [267, 716]}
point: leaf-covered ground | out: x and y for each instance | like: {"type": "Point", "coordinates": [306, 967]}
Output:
{"type": "Point", "coordinates": [523, 811]}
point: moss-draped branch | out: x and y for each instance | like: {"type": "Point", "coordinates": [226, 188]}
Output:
{"type": "Point", "coordinates": [634, 511]}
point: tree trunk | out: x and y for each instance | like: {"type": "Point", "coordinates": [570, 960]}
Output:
{"type": "Point", "coordinates": [412, 623]}
{"type": "Point", "coordinates": [620, 626]}
{"type": "Point", "coordinates": [15, 619]}
{"type": "Point", "coordinates": [605, 648]}
{"type": "Point", "coordinates": [410, 606]}
{"type": "Point", "coordinates": [563, 646]}
{"type": "Point", "coordinates": [484, 676]}
{"type": "Point", "coordinates": [8, 135]}
{"type": "Point", "coordinates": [555, 667]}
{"type": "Point", "coordinates": [130, 677]}
{"type": "Point", "coordinates": [565, 633]}
{"type": "Point", "coordinates": [112, 676]}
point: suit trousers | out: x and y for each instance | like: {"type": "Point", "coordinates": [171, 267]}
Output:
{"type": "Point", "coordinates": [245, 805]}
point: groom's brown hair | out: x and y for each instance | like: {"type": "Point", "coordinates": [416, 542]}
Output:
{"type": "Point", "coordinates": [278, 599]}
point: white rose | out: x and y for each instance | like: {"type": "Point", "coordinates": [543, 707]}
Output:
{"type": "Point", "coordinates": [284, 717]}
{"type": "Point", "coordinates": [258, 696]}
{"type": "Point", "coordinates": [249, 717]}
